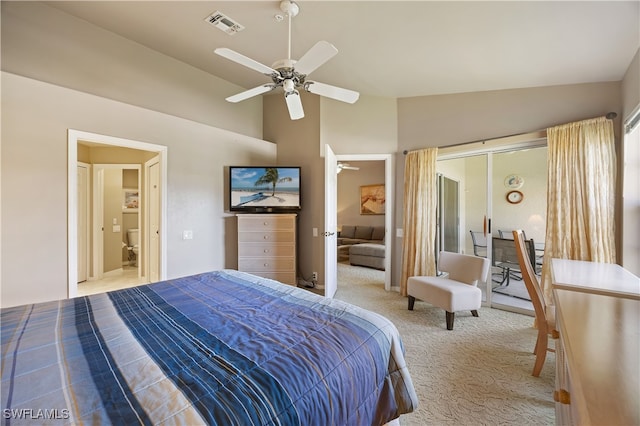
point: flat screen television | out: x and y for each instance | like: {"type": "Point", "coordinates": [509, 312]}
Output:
{"type": "Point", "coordinates": [264, 189]}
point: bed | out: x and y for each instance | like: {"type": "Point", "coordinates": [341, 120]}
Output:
{"type": "Point", "coordinates": [224, 348]}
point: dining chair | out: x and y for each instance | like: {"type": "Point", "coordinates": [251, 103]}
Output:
{"type": "Point", "coordinates": [545, 314]}
{"type": "Point", "coordinates": [503, 256]}
{"type": "Point", "coordinates": [538, 255]}
{"type": "Point", "coordinates": [479, 240]}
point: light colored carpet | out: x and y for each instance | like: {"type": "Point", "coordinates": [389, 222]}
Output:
{"type": "Point", "coordinates": [477, 374]}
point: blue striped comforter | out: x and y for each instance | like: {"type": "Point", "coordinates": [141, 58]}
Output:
{"type": "Point", "coordinates": [221, 348]}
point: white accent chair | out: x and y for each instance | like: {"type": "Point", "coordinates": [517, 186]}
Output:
{"type": "Point", "coordinates": [456, 292]}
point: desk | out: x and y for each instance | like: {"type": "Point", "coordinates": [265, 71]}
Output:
{"type": "Point", "coordinates": [597, 368]}
{"type": "Point", "coordinates": [592, 277]}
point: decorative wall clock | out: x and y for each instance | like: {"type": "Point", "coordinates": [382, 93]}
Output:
{"type": "Point", "coordinates": [514, 197]}
{"type": "Point", "coordinates": [513, 181]}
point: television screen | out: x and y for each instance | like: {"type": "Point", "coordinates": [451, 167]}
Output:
{"type": "Point", "coordinates": [264, 189]}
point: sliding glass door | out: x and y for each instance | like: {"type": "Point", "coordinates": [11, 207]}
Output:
{"type": "Point", "coordinates": [499, 191]}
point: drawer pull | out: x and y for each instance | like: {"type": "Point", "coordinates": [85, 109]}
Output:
{"type": "Point", "coordinates": [266, 223]}
{"type": "Point", "coordinates": [266, 250]}
{"type": "Point", "coordinates": [266, 264]}
{"type": "Point", "coordinates": [562, 396]}
{"type": "Point", "coordinates": [266, 237]}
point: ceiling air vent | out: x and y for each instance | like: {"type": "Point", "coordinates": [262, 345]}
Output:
{"type": "Point", "coordinates": [224, 23]}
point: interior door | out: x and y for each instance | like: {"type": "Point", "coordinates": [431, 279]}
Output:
{"type": "Point", "coordinates": [330, 222]}
{"type": "Point", "coordinates": [154, 220]}
{"type": "Point", "coordinates": [83, 221]}
{"type": "Point", "coordinates": [98, 221]}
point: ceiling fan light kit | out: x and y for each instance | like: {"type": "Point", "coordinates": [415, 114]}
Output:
{"type": "Point", "coordinates": [290, 74]}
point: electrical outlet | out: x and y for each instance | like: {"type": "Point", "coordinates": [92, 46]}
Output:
{"type": "Point", "coordinates": [314, 276]}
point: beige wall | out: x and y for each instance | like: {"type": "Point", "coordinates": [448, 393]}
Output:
{"type": "Point", "coordinates": [183, 108]}
{"type": "Point", "coordinates": [530, 214]}
{"type": "Point", "coordinates": [435, 121]}
{"type": "Point", "coordinates": [368, 126]}
{"type": "Point", "coordinates": [61, 73]}
{"type": "Point", "coordinates": [46, 44]}
{"type": "Point", "coordinates": [298, 146]}
{"type": "Point", "coordinates": [349, 183]}
{"type": "Point", "coordinates": [35, 119]}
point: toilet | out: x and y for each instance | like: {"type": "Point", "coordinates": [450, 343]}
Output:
{"type": "Point", "coordinates": [132, 239]}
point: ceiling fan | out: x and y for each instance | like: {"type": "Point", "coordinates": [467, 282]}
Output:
{"type": "Point", "coordinates": [291, 75]}
{"type": "Point", "coordinates": [346, 166]}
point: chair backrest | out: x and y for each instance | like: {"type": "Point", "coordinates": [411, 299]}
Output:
{"type": "Point", "coordinates": [504, 251]}
{"type": "Point", "coordinates": [508, 235]}
{"type": "Point", "coordinates": [530, 278]}
{"type": "Point", "coordinates": [464, 267]}
{"type": "Point", "coordinates": [479, 243]}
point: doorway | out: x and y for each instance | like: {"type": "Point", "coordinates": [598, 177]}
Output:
{"type": "Point", "coordinates": [387, 178]}
{"type": "Point", "coordinates": [116, 220]}
{"type": "Point", "coordinates": [486, 179]}
{"type": "Point", "coordinates": [77, 141]}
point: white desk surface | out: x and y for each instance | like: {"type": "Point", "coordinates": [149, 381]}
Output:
{"type": "Point", "coordinates": [600, 336]}
{"type": "Point", "coordinates": [591, 277]}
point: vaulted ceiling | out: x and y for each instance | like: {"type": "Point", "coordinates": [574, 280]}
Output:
{"type": "Point", "coordinates": [393, 48]}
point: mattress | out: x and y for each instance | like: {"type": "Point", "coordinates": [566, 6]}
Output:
{"type": "Point", "coordinates": [221, 348]}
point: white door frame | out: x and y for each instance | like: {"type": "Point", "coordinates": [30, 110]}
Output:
{"type": "Point", "coordinates": [388, 207]}
{"type": "Point", "coordinates": [75, 136]}
{"type": "Point", "coordinates": [488, 149]}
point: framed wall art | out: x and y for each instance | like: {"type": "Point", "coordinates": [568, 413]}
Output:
{"type": "Point", "coordinates": [372, 199]}
{"type": "Point", "coordinates": [130, 201]}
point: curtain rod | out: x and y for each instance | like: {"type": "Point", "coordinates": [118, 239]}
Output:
{"type": "Point", "coordinates": [610, 116]}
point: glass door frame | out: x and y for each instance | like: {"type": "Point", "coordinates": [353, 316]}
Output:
{"type": "Point", "coordinates": [488, 149]}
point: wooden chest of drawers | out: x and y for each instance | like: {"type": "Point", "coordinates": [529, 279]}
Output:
{"type": "Point", "coordinates": [267, 246]}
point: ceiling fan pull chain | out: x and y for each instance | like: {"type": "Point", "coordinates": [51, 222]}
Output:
{"type": "Point", "coordinates": [289, 50]}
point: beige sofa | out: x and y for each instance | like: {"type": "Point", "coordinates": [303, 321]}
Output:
{"type": "Point", "coordinates": [356, 234]}
{"type": "Point", "coordinates": [363, 244]}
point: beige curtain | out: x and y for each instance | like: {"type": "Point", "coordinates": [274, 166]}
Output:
{"type": "Point", "coordinates": [581, 195]}
{"type": "Point", "coordinates": [419, 220]}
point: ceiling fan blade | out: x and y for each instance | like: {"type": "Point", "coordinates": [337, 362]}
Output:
{"type": "Point", "coordinates": [346, 166]}
{"type": "Point", "coordinates": [320, 53]}
{"type": "Point", "coordinates": [251, 93]}
{"type": "Point", "coordinates": [245, 61]}
{"type": "Point", "coordinates": [294, 104]}
{"type": "Point", "coordinates": [333, 92]}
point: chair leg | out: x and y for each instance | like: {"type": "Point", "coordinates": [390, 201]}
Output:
{"type": "Point", "coordinates": [412, 300]}
{"type": "Point", "coordinates": [541, 353]}
{"type": "Point", "coordinates": [450, 317]}
{"type": "Point", "coordinates": [474, 313]}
